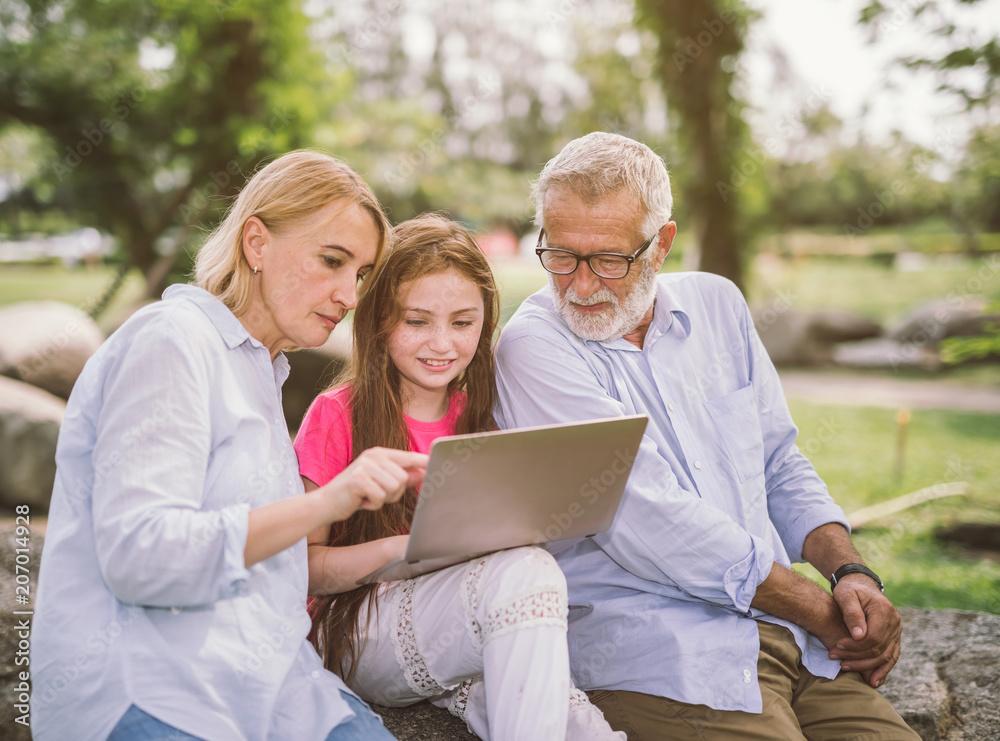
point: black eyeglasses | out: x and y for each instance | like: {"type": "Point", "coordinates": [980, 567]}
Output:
{"type": "Point", "coordinates": [603, 264]}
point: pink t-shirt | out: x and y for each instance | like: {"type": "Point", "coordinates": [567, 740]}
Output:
{"type": "Point", "coordinates": [323, 443]}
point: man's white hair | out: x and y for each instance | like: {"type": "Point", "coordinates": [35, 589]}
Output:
{"type": "Point", "coordinates": [600, 163]}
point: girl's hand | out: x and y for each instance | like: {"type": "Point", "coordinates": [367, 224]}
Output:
{"type": "Point", "coordinates": [374, 478]}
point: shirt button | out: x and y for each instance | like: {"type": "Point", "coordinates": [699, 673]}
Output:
{"type": "Point", "coordinates": [670, 407]}
{"type": "Point", "coordinates": [747, 676]}
{"type": "Point", "coordinates": [175, 611]}
{"type": "Point", "coordinates": [697, 464]}
{"type": "Point", "coordinates": [316, 674]}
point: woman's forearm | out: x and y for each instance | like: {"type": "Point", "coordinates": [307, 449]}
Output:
{"type": "Point", "coordinates": [377, 476]}
{"type": "Point", "coordinates": [280, 525]}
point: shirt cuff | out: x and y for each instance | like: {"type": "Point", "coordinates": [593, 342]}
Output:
{"type": "Point", "coordinates": [742, 579]}
{"type": "Point", "coordinates": [809, 520]}
{"type": "Point", "coordinates": [234, 521]}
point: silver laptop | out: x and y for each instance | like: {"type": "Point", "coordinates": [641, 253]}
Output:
{"type": "Point", "coordinates": [494, 490]}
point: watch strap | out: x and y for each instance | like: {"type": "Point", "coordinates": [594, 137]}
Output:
{"type": "Point", "coordinates": [854, 568]}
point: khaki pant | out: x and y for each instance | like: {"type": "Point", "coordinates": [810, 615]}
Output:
{"type": "Point", "coordinates": [797, 705]}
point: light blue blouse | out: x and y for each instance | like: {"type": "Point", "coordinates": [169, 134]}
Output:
{"type": "Point", "coordinates": [718, 493]}
{"type": "Point", "coordinates": [173, 433]}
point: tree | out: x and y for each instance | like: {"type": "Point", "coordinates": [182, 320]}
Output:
{"type": "Point", "coordinates": [154, 112]}
{"type": "Point", "coordinates": [442, 120]}
{"type": "Point", "coordinates": [966, 60]}
{"type": "Point", "coordinates": [978, 180]}
{"type": "Point", "coordinates": [700, 42]}
{"type": "Point", "coordinates": [960, 48]}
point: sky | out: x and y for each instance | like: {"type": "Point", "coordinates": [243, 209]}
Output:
{"type": "Point", "coordinates": [829, 57]}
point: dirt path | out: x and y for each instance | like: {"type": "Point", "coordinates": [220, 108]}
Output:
{"type": "Point", "coordinates": [826, 387]}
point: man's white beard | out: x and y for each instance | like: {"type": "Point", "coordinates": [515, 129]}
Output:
{"type": "Point", "coordinates": [617, 320]}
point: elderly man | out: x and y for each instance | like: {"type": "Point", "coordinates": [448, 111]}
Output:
{"type": "Point", "coordinates": [685, 618]}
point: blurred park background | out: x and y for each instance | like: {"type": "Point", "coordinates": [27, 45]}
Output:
{"type": "Point", "coordinates": [840, 161]}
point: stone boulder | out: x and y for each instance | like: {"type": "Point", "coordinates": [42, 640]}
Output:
{"type": "Point", "coordinates": [311, 371]}
{"type": "Point", "coordinates": [46, 344]}
{"type": "Point", "coordinates": [798, 338]}
{"type": "Point", "coordinates": [424, 722]}
{"type": "Point", "coordinates": [947, 682]}
{"type": "Point", "coordinates": [29, 428]}
{"type": "Point", "coordinates": [934, 321]}
{"type": "Point", "coordinates": [885, 353]}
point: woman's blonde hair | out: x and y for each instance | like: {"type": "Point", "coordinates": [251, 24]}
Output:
{"type": "Point", "coordinates": [287, 190]}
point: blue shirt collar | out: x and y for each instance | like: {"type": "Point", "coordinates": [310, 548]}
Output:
{"type": "Point", "coordinates": [667, 307]}
{"type": "Point", "coordinates": [230, 328]}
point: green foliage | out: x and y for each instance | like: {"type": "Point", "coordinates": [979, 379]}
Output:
{"type": "Point", "coordinates": [858, 187]}
{"type": "Point", "coordinates": [955, 350]}
{"type": "Point", "coordinates": [978, 180]}
{"type": "Point", "coordinates": [964, 349]}
{"type": "Point", "coordinates": [970, 68]}
{"type": "Point", "coordinates": [148, 115]}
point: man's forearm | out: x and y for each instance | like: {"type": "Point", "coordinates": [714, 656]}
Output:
{"type": "Point", "coordinates": [794, 598]}
{"type": "Point", "coordinates": [829, 547]}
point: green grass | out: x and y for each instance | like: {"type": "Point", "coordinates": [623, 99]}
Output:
{"type": "Point", "coordinates": [858, 286]}
{"type": "Point", "coordinates": [81, 287]}
{"type": "Point", "coordinates": [853, 449]}
{"type": "Point", "coordinates": [879, 293]}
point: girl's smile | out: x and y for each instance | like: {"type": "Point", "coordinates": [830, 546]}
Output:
{"type": "Point", "coordinates": [435, 340]}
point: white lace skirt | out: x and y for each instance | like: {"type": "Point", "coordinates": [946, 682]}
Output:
{"type": "Point", "coordinates": [486, 640]}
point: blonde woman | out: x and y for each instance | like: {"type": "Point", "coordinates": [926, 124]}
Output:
{"type": "Point", "coordinates": [172, 590]}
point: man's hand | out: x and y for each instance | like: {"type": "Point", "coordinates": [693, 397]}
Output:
{"type": "Point", "coordinates": [874, 625]}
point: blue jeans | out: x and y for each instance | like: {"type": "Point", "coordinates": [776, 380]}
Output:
{"type": "Point", "coordinates": [137, 725]}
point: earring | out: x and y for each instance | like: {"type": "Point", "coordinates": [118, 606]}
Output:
{"type": "Point", "coordinates": [255, 270]}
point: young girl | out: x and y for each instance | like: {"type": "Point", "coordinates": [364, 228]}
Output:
{"type": "Point", "coordinates": [485, 639]}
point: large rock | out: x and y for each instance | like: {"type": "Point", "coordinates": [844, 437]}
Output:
{"type": "Point", "coordinates": [29, 428]}
{"type": "Point", "coordinates": [929, 323]}
{"type": "Point", "coordinates": [46, 344]}
{"type": "Point", "coordinates": [947, 682]}
{"type": "Point", "coordinates": [885, 353]}
{"type": "Point", "coordinates": [798, 338]}
{"type": "Point", "coordinates": [424, 722]}
{"type": "Point", "coordinates": [312, 371]}
{"type": "Point", "coordinates": [834, 326]}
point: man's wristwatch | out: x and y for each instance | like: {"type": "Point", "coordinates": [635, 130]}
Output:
{"type": "Point", "coordinates": [854, 568]}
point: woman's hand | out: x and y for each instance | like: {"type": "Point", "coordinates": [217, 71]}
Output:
{"type": "Point", "coordinates": [376, 477]}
